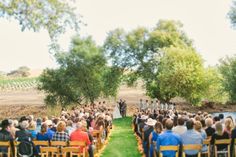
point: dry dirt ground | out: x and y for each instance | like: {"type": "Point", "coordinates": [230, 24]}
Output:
{"type": "Point", "coordinates": [14, 104]}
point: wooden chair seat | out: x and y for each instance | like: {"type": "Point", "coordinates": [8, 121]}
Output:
{"type": "Point", "coordinates": [169, 148]}
{"type": "Point", "coordinates": [197, 147]}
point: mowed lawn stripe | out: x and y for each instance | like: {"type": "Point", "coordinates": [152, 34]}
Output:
{"type": "Point", "coordinates": [122, 142]}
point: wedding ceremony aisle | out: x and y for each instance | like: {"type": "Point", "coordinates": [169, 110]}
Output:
{"type": "Point", "coordinates": [122, 142]}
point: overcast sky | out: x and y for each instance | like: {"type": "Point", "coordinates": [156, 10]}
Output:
{"type": "Point", "coordinates": [205, 21]}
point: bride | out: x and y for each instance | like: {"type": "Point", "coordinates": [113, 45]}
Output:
{"type": "Point", "coordinates": [116, 112]}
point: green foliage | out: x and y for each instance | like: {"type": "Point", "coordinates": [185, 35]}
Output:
{"type": "Point", "coordinates": [228, 70]}
{"type": "Point", "coordinates": [232, 13]}
{"type": "Point", "coordinates": [215, 91]}
{"type": "Point", "coordinates": [82, 75]}
{"type": "Point", "coordinates": [181, 73]}
{"type": "Point", "coordinates": [53, 15]}
{"type": "Point", "coordinates": [122, 141]}
{"type": "Point", "coordinates": [139, 53]}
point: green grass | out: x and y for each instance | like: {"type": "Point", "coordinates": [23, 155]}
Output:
{"type": "Point", "coordinates": [122, 142]}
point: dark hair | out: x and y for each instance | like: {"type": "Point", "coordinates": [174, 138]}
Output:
{"type": "Point", "coordinates": [221, 116]}
{"type": "Point", "coordinates": [216, 118]}
{"type": "Point", "coordinates": [189, 124]}
{"type": "Point", "coordinates": [44, 128]}
{"type": "Point", "coordinates": [180, 121]}
{"type": "Point", "coordinates": [159, 125]}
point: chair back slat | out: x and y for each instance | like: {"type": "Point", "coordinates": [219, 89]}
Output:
{"type": "Point", "coordinates": [197, 147]}
{"type": "Point", "coordinates": [169, 148]}
{"type": "Point", "coordinates": [41, 143]}
{"type": "Point", "coordinates": [58, 143]}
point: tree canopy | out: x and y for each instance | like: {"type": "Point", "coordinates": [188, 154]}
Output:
{"type": "Point", "coordinates": [53, 15]}
{"type": "Point", "coordinates": [228, 71]}
{"type": "Point", "coordinates": [83, 75]}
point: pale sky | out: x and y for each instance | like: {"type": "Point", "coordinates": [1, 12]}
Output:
{"type": "Point", "coordinates": [205, 21]}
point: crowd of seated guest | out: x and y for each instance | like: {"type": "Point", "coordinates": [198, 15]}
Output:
{"type": "Point", "coordinates": [72, 125]}
{"type": "Point", "coordinates": [170, 127]}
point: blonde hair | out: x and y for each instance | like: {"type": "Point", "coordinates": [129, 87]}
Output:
{"type": "Point", "coordinates": [219, 128]}
{"type": "Point", "coordinates": [61, 126]}
{"type": "Point", "coordinates": [229, 125]}
{"type": "Point", "coordinates": [198, 126]}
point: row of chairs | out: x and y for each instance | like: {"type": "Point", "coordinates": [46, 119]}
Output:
{"type": "Point", "coordinates": [199, 147]}
{"type": "Point", "coordinates": [58, 147]}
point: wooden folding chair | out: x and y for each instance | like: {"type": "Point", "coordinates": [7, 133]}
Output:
{"type": "Point", "coordinates": [224, 141]}
{"type": "Point", "coordinates": [73, 151]}
{"type": "Point", "coordinates": [97, 139]}
{"type": "Point", "coordinates": [49, 151]}
{"type": "Point", "coordinates": [8, 146]}
{"type": "Point", "coordinates": [197, 147]}
{"type": "Point", "coordinates": [169, 148]}
{"type": "Point", "coordinates": [79, 144]}
{"type": "Point", "coordinates": [207, 143]}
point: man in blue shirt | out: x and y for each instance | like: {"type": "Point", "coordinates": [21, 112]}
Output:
{"type": "Point", "coordinates": [168, 138]}
{"type": "Point", "coordinates": [191, 136]}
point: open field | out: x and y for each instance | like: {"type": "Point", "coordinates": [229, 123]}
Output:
{"type": "Point", "coordinates": [15, 103]}
{"type": "Point", "coordinates": [23, 102]}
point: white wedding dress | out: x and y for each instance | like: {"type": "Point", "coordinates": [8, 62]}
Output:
{"type": "Point", "coordinates": [116, 113]}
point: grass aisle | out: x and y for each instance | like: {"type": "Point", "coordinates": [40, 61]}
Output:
{"type": "Point", "coordinates": [122, 142]}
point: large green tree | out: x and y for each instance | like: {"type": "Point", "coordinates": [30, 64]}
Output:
{"type": "Point", "coordinates": [138, 52]}
{"type": "Point", "coordinates": [181, 73]}
{"type": "Point", "coordinates": [83, 75]}
{"type": "Point", "coordinates": [228, 71]}
{"type": "Point", "coordinates": [53, 15]}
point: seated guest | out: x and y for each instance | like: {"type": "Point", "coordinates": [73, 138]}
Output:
{"type": "Point", "coordinates": [61, 135]}
{"type": "Point", "coordinates": [148, 130]}
{"type": "Point", "coordinates": [168, 138]}
{"type": "Point", "coordinates": [49, 126]}
{"type": "Point", "coordinates": [198, 128]}
{"type": "Point", "coordinates": [153, 138]}
{"type": "Point", "coordinates": [209, 129]}
{"type": "Point", "coordinates": [43, 134]}
{"type": "Point", "coordinates": [191, 136]}
{"type": "Point", "coordinates": [80, 135]}
{"type": "Point", "coordinates": [219, 134]}
{"type": "Point", "coordinates": [229, 125]}
{"type": "Point", "coordinates": [90, 148]}
{"type": "Point", "coordinates": [23, 133]}
{"type": "Point", "coordinates": [180, 128]}
{"type": "Point", "coordinates": [5, 134]}
{"type": "Point", "coordinates": [32, 129]}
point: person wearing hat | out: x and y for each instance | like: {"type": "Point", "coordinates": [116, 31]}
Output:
{"type": "Point", "coordinates": [148, 130]}
{"type": "Point", "coordinates": [5, 134]}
